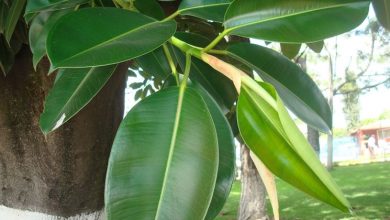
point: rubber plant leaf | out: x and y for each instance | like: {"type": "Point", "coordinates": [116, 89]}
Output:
{"type": "Point", "coordinates": [102, 36]}
{"type": "Point", "coordinates": [295, 21]}
{"type": "Point", "coordinates": [164, 160]}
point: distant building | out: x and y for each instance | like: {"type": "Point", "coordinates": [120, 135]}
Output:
{"type": "Point", "coordinates": [381, 132]}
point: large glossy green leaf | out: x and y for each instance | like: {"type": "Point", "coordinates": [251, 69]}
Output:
{"type": "Point", "coordinates": [155, 63]}
{"type": "Point", "coordinates": [207, 9]}
{"type": "Point", "coordinates": [294, 21]}
{"type": "Point", "coordinates": [271, 134]}
{"type": "Point", "coordinates": [12, 18]}
{"type": "Point", "coordinates": [39, 30]}
{"type": "Point", "coordinates": [73, 89]}
{"type": "Point", "coordinates": [226, 167]}
{"type": "Point", "coordinates": [164, 160]}
{"type": "Point", "coordinates": [382, 11]}
{"type": "Point", "coordinates": [102, 36]}
{"type": "Point", "coordinates": [35, 6]}
{"type": "Point", "coordinates": [296, 88]}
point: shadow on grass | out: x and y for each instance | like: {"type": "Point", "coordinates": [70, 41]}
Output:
{"type": "Point", "coordinates": [367, 187]}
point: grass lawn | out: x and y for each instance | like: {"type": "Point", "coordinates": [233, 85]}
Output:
{"type": "Point", "coordinates": [367, 187]}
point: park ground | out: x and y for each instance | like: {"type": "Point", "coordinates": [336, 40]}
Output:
{"type": "Point", "coordinates": [366, 186]}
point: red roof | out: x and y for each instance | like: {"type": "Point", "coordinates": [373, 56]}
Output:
{"type": "Point", "coordinates": [376, 125]}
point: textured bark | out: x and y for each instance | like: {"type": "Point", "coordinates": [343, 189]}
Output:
{"type": "Point", "coordinates": [252, 202]}
{"type": "Point", "coordinates": [63, 173]}
{"type": "Point", "coordinates": [313, 136]}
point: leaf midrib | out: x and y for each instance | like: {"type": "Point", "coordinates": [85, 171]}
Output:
{"type": "Point", "coordinates": [107, 42]}
{"type": "Point", "coordinates": [171, 149]}
{"type": "Point", "coordinates": [281, 17]}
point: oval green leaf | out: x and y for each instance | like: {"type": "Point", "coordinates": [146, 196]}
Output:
{"type": "Point", "coordinates": [12, 18]}
{"type": "Point", "coordinates": [296, 88]}
{"type": "Point", "coordinates": [271, 134]}
{"type": "Point", "coordinates": [227, 158]}
{"type": "Point", "coordinates": [39, 30]}
{"type": "Point", "coordinates": [382, 11]}
{"type": "Point", "coordinates": [103, 36]}
{"type": "Point", "coordinates": [206, 9]}
{"type": "Point", "coordinates": [164, 160]}
{"type": "Point", "coordinates": [296, 21]}
{"type": "Point", "coordinates": [73, 89]}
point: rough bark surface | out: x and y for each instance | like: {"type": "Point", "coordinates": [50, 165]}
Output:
{"type": "Point", "coordinates": [62, 174]}
{"type": "Point", "coordinates": [313, 136]}
{"type": "Point", "coordinates": [252, 202]}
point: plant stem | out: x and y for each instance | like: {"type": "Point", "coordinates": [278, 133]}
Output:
{"type": "Point", "coordinates": [215, 41]}
{"type": "Point", "coordinates": [171, 63]}
{"type": "Point", "coordinates": [187, 48]}
{"type": "Point", "coordinates": [187, 69]}
{"type": "Point", "coordinates": [172, 16]}
{"type": "Point", "coordinates": [218, 52]}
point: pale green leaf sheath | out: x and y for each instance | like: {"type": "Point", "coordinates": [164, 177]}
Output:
{"type": "Point", "coordinates": [271, 134]}
{"type": "Point", "coordinates": [102, 36]}
{"type": "Point", "coordinates": [164, 160]}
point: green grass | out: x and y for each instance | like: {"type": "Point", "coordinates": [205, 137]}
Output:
{"type": "Point", "coordinates": [367, 187]}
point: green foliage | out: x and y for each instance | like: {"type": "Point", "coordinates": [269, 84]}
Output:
{"type": "Point", "coordinates": [382, 11]}
{"type": "Point", "coordinates": [263, 121]}
{"type": "Point", "coordinates": [98, 42]}
{"type": "Point", "coordinates": [73, 89]}
{"type": "Point", "coordinates": [350, 99]}
{"type": "Point", "coordinates": [251, 18]}
{"type": "Point", "coordinates": [164, 159]}
{"type": "Point", "coordinates": [173, 155]}
{"type": "Point", "coordinates": [207, 9]}
{"type": "Point", "coordinates": [290, 81]}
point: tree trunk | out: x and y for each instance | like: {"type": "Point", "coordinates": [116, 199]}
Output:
{"type": "Point", "coordinates": [252, 202]}
{"type": "Point", "coordinates": [332, 70]}
{"type": "Point", "coordinates": [313, 137]}
{"type": "Point", "coordinates": [62, 174]}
